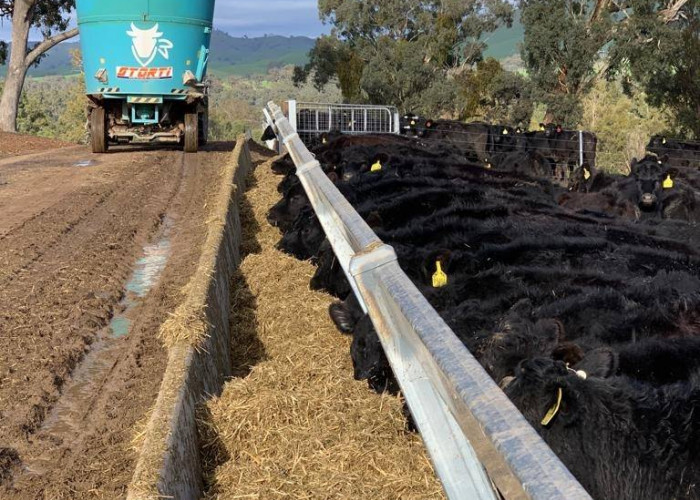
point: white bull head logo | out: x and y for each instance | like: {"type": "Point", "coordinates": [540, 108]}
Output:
{"type": "Point", "coordinates": [148, 43]}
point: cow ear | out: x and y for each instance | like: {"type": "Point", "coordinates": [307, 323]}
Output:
{"type": "Point", "coordinates": [602, 362]}
{"type": "Point", "coordinates": [672, 171]}
{"type": "Point", "coordinates": [633, 165]}
{"type": "Point", "coordinates": [568, 352]}
{"type": "Point", "coordinates": [374, 220]}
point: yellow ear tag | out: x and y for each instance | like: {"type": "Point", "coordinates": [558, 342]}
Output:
{"type": "Point", "coordinates": [542, 128]}
{"type": "Point", "coordinates": [553, 410]}
{"type": "Point", "coordinates": [324, 141]}
{"type": "Point", "coordinates": [664, 141]}
{"type": "Point", "coordinates": [505, 131]}
{"type": "Point", "coordinates": [668, 183]}
{"type": "Point", "coordinates": [439, 278]}
{"type": "Point", "coordinates": [586, 174]}
{"type": "Point", "coordinates": [377, 167]}
{"type": "Point", "coordinates": [413, 122]}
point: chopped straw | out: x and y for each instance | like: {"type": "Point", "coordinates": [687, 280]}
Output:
{"type": "Point", "coordinates": [295, 424]}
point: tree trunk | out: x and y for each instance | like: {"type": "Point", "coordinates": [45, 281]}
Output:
{"type": "Point", "coordinates": [17, 67]}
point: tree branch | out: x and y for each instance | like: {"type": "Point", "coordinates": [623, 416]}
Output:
{"type": "Point", "coordinates": [600, 7]}
{"type": "Point", "coordinates": [48, 44]}
{"type": "Point", "coordinates": [670, 14]}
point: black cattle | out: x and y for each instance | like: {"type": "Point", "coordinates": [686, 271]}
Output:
{"type": "Point", "coordinates": [329, 274]}
{"type": "Point", "coordinates": [305, 237]}
{"type": "Point", "coordinates": [657, 361]}
{"type": "Point", "coordinates": [620, 438]}
{"type": "Point", "coordinates": [615, 297]}
{"type": "Point", "coordinates": [530, 163]}
{"type": "Point", "coordinates": [659, 191]}
{"type": "Point", "coordinates": [410, 124]}
{"type": "Point", "coordinates": [346, 314]}
{"type": "Point", "coordinates": [675, 153]}
{"type": "Point", "coordinates": [285, 212]}
{"type": "Point", "coordinates": [473, 139]}
{"type": "Point", "coordinates": [561, 147]}
{"type": "Point", "coordinates": [606, 203]}
{"type": "Point", "coordinates": [268, 134]}
{"type": "Point", "coordinates": [368, 358]}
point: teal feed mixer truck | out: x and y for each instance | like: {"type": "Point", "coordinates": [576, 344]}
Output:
{"type": "Point", "coordinates": [145, 64]}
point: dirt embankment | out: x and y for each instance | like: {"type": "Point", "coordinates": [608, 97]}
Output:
{"type": "Point", "coordinates": [21, 144]}
{"type": "Point", "coordinates": [294, 423]}
{"type": "Point", "coordinates": [65, 257]}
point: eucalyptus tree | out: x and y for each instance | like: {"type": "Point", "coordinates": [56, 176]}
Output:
{"type": "Point", "coordinates": [402, 51]}
{"type": "Point", "coordinates": [51, 19]}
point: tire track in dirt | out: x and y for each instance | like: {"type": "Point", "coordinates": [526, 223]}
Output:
{"type": "Point", "coordinates": [53, 306]}
{"type": "Point", "coordinates": [99, 461]}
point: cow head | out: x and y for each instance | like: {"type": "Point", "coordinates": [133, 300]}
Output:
{"type": "Point", "coordinates": [518, 339]}
{"type": "Point", "coordinates": [649, 174]}
{"type": "Point", "coordinates": [146, 44]}
{"type": "Point", "coordinates": [368, 358]}
{"type": "Point", "coordinates": [547, 392]}
{"type": "Point", "coordinates": [550, 130]}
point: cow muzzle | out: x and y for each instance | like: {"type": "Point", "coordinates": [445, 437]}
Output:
{"type": "Point", "coordinates": [648, 200]}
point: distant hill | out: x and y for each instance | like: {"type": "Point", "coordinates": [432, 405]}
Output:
{"type": "Point", "coordinates": [504, 43]}
{"type": "Point", "coordinates": [229, 55]}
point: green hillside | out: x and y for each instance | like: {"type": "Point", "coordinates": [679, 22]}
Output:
{"type": "Point", "coordinates": [505, 42]}
{"type": "Point", "coordinates": [229, 55]}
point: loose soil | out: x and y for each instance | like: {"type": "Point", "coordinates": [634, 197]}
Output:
{"type": "Point", "coordinates": [294, 423]}
{"type": "Point", "coordinates": [72, 226]}
{"type": "Point", "coordinates": [21, 144]}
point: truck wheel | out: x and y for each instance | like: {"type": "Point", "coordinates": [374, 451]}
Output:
{"type": "Point", "coordinates": [191, 132]}
{"type": "Point", "coordinates": [98, 133]}
{"type": "Point", "coordinates": [203, 128]}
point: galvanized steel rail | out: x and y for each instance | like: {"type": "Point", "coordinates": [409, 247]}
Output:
{"type": "Point", "coordinates": [456, 406]}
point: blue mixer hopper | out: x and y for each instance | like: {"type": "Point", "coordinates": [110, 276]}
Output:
{"type": "Point", "coordinates": [145, 65]}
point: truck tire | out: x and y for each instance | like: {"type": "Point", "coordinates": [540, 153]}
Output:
{"type": "Point", "coordinates": [98, 132]}
{"type": "Point", "coordinates": [203, 128]}
{"type": "Point", "coordinates": [191, 132]}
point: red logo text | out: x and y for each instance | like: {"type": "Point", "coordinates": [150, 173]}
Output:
{"type": "Point", "coordinates": [131, 73]}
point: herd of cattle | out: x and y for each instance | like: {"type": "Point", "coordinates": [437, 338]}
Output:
{"type": "Point", "coordinates": [582, 301]}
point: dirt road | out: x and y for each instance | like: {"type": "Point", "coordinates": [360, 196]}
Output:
{"type": "Point", "coordinates": [80, 362]}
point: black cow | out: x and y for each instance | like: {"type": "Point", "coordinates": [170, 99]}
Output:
{"type": "Point", "coordinates": [473, 139]}
{"type": "Point", "coordinates": [620, 438]}
{"type": "Point", "coordinates": [678, 154]}
{"type": "Point", "coordinates": [659, 191]}
{"type": "Point", "coordinates": [368, 358]}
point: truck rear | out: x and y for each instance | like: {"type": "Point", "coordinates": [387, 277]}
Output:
{"type": "Point", "coordinates": [145, 64]}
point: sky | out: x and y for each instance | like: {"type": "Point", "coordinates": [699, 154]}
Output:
{"type": "Point", "coordinates": [254, 18]}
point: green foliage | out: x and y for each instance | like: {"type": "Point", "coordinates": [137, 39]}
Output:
{"type": "Point", "coordinates": [402, 52]}
{"type": "Point", "coordinates": [660, 50]}
{"type": "Point", "coordinates": [622, 123]}
{"type": "Point", "coordinates": [655, 45]}
{"type": "Point", "coordinates": [490, 93]}
{"type": "Point", "coordinates": [53, 107]}
{"type": "Point", "coordinates": [562, 40]}
{"type": "Point", "coordinates": [236, 102]}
